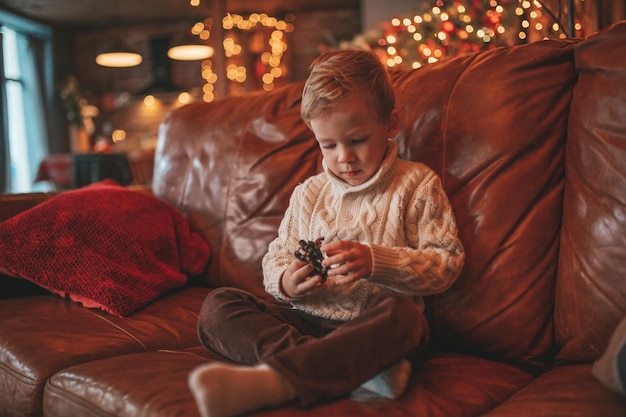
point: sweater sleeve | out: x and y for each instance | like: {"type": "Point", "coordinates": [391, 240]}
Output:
{"type": "Point", "coordinates": [434, 256]}
{"type": "Point", "coordinates": [279, 254]}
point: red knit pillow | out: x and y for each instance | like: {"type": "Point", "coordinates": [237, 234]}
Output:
{"type": "Point", "coordinates": [103, 245]}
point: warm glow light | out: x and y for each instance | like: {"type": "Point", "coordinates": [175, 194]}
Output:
{"type": "Point", "coordinates": [149, 100]}
{"type": "Point", "coordinates": [184, 97]}
{"type": "Point", "coordinates": [409, 42]}
{"type": "Point", "coordinates": [270, 58]}
{"type": "Point", "coordinates": [118, 59]}
{"type": "Point", "coordinates": [190, 52]}
{"type": "Point", "coordinates": [197, 28]}
{"type": "Point", "coordinates": [118, 135]}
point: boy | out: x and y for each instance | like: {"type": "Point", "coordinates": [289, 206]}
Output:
{"type": "Point", "coordinates": [388, 236]}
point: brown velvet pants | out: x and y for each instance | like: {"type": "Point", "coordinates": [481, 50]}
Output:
{"type": "Point", "coordinates": [322, 359]}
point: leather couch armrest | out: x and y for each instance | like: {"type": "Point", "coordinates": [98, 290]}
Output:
{"type": "Point", "coordinates": [13, 204]}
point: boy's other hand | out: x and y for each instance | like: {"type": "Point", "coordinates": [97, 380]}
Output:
{"type": "Point", "coordinates": [348, 261]}
{"type": "Point", "coordinates": [296, 281]}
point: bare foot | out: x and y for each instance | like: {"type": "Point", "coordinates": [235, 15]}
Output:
{"type": "Point", "coordinates": [223, 390]}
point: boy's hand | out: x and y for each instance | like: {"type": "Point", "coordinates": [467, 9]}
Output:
{"type": "Point", "coordinates": [352, 260]}
{"type": "Point", "coordinates": [296, 282]}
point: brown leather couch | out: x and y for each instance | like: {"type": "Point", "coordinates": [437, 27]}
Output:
{"type": "Point", "coordinates": [530, 143]}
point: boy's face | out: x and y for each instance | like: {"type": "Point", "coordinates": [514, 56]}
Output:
{"type": "Point", "coordinates": [352, 138]}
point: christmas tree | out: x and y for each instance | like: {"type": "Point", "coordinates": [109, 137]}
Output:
{"type": "Point", "coordinates": [445, 28]}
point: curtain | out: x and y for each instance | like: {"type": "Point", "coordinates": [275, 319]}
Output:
{"type": "Point", "coordinates": [34, 103]}
{"type": "Point", "coordinates": [26, 115]}
{"type": "Point", "coordinates": [4, 144]}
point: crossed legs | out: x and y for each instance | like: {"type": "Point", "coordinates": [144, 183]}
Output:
{"type": "Point", "coordinates": [291, 356]}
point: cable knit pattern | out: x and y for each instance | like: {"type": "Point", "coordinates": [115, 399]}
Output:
{"type": "Point", "coordinates": [402, 213]}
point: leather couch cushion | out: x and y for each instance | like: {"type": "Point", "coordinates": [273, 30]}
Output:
{"type": "Point", "coordinates": [565, 391]}
{"type": "Point", "coordinates": [43, 334]}
{"type": "Point", "coordinates": [591, 295]}
{"type": "Point", "coordinates": [96, 389]}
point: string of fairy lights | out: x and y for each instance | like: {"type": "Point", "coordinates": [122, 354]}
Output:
{"type": "Point", "coordinates": [434, 30]}
{"type": "Point", "coordinates": [265, 40]}
{"type": "Point", "coordinates": [451, 28]}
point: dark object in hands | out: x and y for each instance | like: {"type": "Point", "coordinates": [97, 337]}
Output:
{"type": "Point", "coordinates": [310, 252]}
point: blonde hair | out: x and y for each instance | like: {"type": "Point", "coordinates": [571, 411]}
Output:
{"type": "Point", "coordinates": [337, 73]}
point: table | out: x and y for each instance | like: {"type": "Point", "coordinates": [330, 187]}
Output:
{"type": "Point", "coordinates": [67, 171]}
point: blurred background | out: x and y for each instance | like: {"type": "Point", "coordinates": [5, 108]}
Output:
{"type": "Point", "coordinates": [60, 99]}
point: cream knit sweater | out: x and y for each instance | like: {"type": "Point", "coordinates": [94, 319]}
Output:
{"type": "Point", "coordinates": [402, 213]}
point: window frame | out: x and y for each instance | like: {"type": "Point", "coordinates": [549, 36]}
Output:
{"type": "Point", "coordinates": [44, 33]}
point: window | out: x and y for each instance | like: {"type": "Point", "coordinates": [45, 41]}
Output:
{"type": "Point", "coordinates": [26, 93]}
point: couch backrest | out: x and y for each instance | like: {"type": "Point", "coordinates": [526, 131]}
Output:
{"type": "Point", "coordinates": [230, 166]}
{"type": "Point", "coordinates": [493, 125]}
{"type": "Point", "coordinates": [591, 286]}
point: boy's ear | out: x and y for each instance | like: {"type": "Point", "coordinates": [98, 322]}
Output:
{"type": "Point", "coordinates": [393, 124]}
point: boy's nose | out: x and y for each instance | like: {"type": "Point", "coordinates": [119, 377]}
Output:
{"type": "Point", "coordinates": [345, 155]}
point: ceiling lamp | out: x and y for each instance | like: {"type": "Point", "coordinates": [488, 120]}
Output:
{"type": "Point", "coordinates": [190, 52]}
{"type": "Point", "coordinates": [117, 56]}
{"type": "Point", "coordinates": [189, 45]}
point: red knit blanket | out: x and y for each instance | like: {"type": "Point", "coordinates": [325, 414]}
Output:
{"type": "Point", "coordinates": [103, 245]}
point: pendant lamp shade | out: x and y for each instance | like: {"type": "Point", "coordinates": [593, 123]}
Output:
{"type": "Point", "coordinates": [189, 48]}
{"type": "Point", "coordinates": [118, 56]}
{"type": "Point", "coordinates": [190, 52]}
